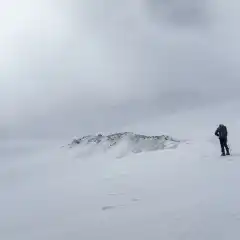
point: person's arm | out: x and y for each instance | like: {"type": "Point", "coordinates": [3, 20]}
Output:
{"type": "Point", "coordinates": [217, 132]}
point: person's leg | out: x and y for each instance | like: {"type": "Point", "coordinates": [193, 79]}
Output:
{"type": "Point", "coordinates": [222, 146]}
{"type": "Point", "coordinates": [226, 146]}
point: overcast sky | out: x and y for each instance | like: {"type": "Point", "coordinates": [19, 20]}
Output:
{"type": "Point", "coordinates": [80, 66]}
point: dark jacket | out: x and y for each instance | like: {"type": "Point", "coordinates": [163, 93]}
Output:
{"type": "Point", "coordinates": [221, 131]}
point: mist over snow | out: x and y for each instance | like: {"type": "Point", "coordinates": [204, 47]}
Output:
{"type": "Point", "coordinates": [188, 192]}
{"type": "Point", "coordinates": [139, 69]}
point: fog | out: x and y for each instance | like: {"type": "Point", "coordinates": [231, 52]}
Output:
{"type": "Point", "coordinates": [84, 66]}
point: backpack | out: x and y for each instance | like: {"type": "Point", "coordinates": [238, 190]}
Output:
{"type": "Point", "coordinates": [222, 131]}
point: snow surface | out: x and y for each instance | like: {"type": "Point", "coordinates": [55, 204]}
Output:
{"type": "Point", "coordinates": [185, 193]}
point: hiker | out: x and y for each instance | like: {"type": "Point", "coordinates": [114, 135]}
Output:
{"type": "Point", "coordinates": [222, 134]}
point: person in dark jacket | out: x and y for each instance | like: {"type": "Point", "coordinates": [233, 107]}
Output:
{"type": "Point", "coordinates": [222, 134]}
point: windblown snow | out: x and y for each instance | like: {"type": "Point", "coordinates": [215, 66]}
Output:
{"type": "Point", "coordinates": [188, 192]}
{"type": "Point", "coordinates": [122, 143]}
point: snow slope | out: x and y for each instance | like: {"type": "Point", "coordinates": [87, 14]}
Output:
{"type": "Point", "coordinates": [184, 193]}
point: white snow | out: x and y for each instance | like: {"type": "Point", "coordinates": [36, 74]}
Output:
{"type": "Point", "coordinates": [185, 193]}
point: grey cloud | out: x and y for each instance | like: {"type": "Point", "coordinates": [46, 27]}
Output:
{"type": "Point", "coordinates": [84, 66]}
{"type": "Point", "coordinates": [184, 13]}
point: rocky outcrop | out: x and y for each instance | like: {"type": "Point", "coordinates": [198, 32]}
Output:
{"type": "Point", "coordinates": [130, 142]}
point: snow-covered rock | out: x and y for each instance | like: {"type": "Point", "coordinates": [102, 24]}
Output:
{"type": "Point", "coordinates": [128, 142]}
